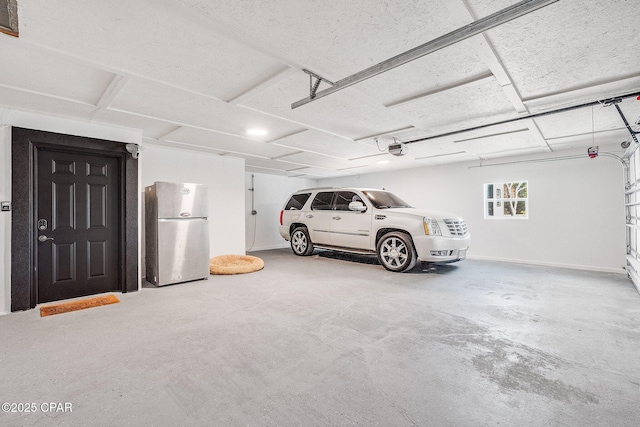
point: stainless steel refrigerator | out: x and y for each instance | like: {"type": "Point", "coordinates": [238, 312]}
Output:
{"type": "Point", "coordinates": [176, 232]}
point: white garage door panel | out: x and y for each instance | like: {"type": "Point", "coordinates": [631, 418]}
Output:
{"type": "Point", "coordinates": [632, 196]}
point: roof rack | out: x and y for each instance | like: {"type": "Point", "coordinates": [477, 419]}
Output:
{"type": "Point", "coordinates": [319, 188]}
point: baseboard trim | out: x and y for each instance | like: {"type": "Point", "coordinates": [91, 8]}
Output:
{"type": "Point", "coordinates": [621, 270]}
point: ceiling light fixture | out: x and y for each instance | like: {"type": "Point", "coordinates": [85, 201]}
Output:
{"type": "Point", "coordinates": [256, 132]}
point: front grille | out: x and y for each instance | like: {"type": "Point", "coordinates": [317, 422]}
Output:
{"type": "Point", "coordinates": [457, 227]}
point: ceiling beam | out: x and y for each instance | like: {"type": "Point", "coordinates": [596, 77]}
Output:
{"type": "Point", "coordinates": [537, 134]}
{"type": "Point", "coordinates": [118, 82]}
{"type": "Point", "coordinates": [453, 85]}
{"type": "Point", "coordinates": [527, 117]}
{"type": "Point", "coordinates": [612, 87]}
{"type": "Point", "coordinates": [505, 15]}
{"type": "Point", "coordinates": [483, 47]}
{"type": "Point", "coordinates": [263, 85]}
{"type": "Point", "coordinates": [390, 133]}
{"type": "Point", "coordinates": [171, 134]}
{"type": "Point", "coordinates": [46, 95]}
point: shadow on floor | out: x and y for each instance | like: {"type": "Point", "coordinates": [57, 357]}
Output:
{"type": "Point", "coordinates": [146, 284]}
{"type": "Point", "coordinates": [420, 268]}
{"type": "Point", "coordinates": [343, 256]}
{"type": "Point", "coordinates": [427, 267]}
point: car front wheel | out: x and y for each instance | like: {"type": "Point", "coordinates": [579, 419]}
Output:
{"type": "Point", "coordinates": [300, 242]}
{"type": "Point", "coordinates": [395, 252]}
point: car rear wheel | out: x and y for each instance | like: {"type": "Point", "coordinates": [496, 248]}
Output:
{"type": "Point", "coordinates": [300, 242]}
{"type": "Point", "coordinates": [395, 252]}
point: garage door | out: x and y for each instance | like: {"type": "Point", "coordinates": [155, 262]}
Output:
{"type": "Point", "coordinates": [633, 224]}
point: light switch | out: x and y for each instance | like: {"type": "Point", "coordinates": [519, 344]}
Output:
{"type": "Point", "coordinates": [5, 206]}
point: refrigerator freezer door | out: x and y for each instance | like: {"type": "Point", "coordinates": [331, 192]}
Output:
{"type": "Point", "coordinates": [183, 250]}
{"type": "Point", "coordinates": [181, 200]}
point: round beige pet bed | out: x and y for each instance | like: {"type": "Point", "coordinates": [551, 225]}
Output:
{"type": "Point", "coordinates": [235, 264]}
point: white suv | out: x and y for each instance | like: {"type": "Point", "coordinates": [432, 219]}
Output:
{"type": "Point", "coordinates": [369, 221]}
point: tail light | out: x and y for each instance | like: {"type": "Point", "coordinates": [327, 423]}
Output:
{"type": "Point", "coordinates": [281, 213]}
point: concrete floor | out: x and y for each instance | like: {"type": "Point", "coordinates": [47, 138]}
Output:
{"type": "Point", "coordinates": [337, 340]}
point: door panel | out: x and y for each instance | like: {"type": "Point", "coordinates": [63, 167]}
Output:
{"type": "Point", "coordinates": [319, 226]}
{"type": "Point", "coordinates": [181, 256]}
{"type": "Point", "coordinates": [77, 196]}
{"type": "Point", "coordinates": [319, 219]}
{"type": "Point", "coordinates": [63, 194]}
{"type": "Point", "coordinates": [350, 229]}
{"type": "Point", "coordinates": [97, 206]}
{"type": "Point", "coordinates": [64, 258]}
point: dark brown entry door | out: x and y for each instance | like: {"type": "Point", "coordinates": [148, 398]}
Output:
{"type": "Point", "coordinates": [77, 224]}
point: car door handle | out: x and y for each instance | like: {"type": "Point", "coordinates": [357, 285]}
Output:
{"type": "Point", "coordinates": [309, 216]}
{"type": "Point", "coordinates": [336, 217]}
{"type": "Point", "coordinates": [44, 238]}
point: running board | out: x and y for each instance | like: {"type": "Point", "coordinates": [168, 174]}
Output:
{"type": "Point", "coordinates": [342, 249]}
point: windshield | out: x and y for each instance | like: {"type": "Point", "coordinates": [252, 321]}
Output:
{"type": "Point", "coordinates": [384, 200]}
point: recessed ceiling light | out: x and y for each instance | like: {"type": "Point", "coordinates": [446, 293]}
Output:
{"type": "Point", "coordinates": [257, 132]}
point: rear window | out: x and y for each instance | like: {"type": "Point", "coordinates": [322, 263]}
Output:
{"type": "Point", "coordinates": [297, 201]}
{"type": "Point", "coordinates": [322, 201]}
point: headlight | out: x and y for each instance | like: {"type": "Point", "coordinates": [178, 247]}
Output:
{"type": "Point", "coordinates": [431, 227]}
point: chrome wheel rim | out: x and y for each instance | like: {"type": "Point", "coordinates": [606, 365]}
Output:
{"type": "Point", "coordinates": [394, 252]}
{"type": "Point", "coordinates": [299, 242]}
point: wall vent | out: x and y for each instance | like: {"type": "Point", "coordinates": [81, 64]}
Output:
{"type": "Point", "coordinates": [9, 17]}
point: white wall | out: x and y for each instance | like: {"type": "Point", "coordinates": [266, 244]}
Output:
{"type": "Point", "coordinates": [224, 177]}
{"type": "Point", "coordinates": [576, 208]}
{"type": "Point", "coordinates": [9, 118]}
{"type": "Point", "coordinates": [270, 194]}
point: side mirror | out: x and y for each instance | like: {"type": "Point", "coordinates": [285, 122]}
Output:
{"type": "Point", "coordinates": [357, 206]}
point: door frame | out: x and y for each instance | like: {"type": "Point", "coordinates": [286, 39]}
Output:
{"type": "Point", "coordinates": [24, 143]}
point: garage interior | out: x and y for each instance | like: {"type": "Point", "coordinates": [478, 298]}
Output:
{"type": "Point", "coordinates": [538, 326]}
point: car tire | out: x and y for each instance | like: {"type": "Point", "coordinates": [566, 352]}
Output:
{"type": "Point", "coordinates": [301, 244]}
{"type": "Point", "coordinates": [396, 252]}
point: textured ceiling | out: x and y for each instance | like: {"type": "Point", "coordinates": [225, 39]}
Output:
{"type": "Point", "coordinates": [197, 74]}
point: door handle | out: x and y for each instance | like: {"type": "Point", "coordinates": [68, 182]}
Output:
{"type": "Point", "coordinates": [336, 217]}
{"type": "Point", "coordinates": [309, 216]}
{"type": "Point", "coordinates": [44, 238]}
